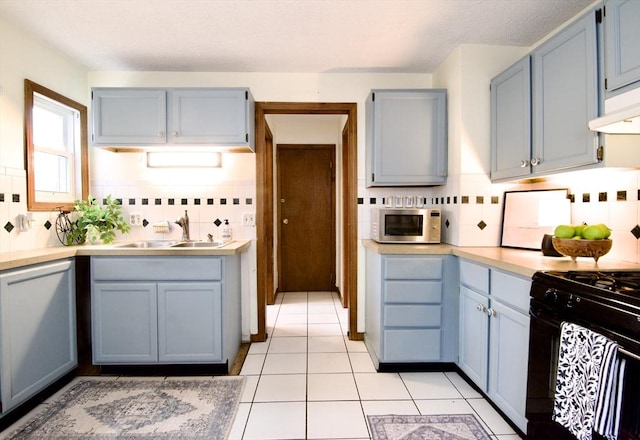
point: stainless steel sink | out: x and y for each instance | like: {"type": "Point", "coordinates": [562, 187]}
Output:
{"type": "Point", "coordinates": [144, 244]}
{"type": "Point", "coordinates": [201, 244]}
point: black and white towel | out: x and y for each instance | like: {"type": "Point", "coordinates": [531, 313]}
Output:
{"type": "Point", "coordinates": [588, 384]}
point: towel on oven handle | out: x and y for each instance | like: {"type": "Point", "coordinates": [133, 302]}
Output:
{"type": "Point", "coordinates": [607, 421]}
{"type": "Point", "coordinates": [587, 393]}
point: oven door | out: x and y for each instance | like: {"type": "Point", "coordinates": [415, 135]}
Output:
{"type": "Point", "coordinates": [544, 341]}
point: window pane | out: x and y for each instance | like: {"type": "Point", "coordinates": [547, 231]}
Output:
{"type": "Point", "coordinates": [51, 172]}
{"type": "Point", "coordinates": [48, 129]}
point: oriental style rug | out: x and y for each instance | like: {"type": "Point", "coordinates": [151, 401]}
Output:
{"type": "Point", "coordinates": [138, 409]}
{"type": "Point", "coordinates": [434, 427]}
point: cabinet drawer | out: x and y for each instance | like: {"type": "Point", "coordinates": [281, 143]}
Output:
{"type": "Point", "coordinates": [474, 276]}
{"type": "Point", "coordinates": [511, 290]}
{"type": "Point", "coordinates": [156, 268]}
{"type": "Point", "coordinates": [407, 268]}
{"type": "Point", "coordinates": [412, 291]}
{"type": "Point", "coordinates": [412, 316]}
{"type": "Point", "coordinates": [413, 345]}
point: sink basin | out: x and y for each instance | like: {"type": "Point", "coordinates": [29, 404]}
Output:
{"type": "Point", "coordinates": [144, 244]}
{"type": "Point", "coordinates": [201, 244]}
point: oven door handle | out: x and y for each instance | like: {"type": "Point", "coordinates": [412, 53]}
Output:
{"type": "Point", "coordinates": [535, 313]}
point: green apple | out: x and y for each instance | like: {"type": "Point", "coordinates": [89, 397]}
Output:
{"type": "Point", "coordinates": [579, 228]}
{"type": "Point", "coordinates": [593, 232]}
{"type": "Point", "coordinates": [606, 232]}
{"type": "Point", "coordinates": [564, 231]}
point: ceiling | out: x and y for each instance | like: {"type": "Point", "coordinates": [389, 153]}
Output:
{"type": "Point", "coordinates": [394, 36]}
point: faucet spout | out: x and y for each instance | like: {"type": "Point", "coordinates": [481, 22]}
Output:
{"type": "Point", "coordinates": [183, 222]}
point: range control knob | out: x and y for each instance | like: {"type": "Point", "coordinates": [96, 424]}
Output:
{"type": "Point", "coordinates": [551, 295]}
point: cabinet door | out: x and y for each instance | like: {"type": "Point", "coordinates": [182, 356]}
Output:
{"type": "Point", "coordinates": [565, 85]}
{"type": "Point", "coordinates": [216, 116]}
{"type": "Point", "coordinates": [408, 137]}
{"type": "Point", "coordinates": [622, 42]}
{"type": "Point", "coordinates": [412, 345]}
{"type": "Point", "coordinates": [38, 327]}
{"type": "Point", "coordinates": [189, 322]}
{"type": "Point", "coordinates": [128, 116]}
{"type": "Point", "coordinates": [474, 336]}
{"type": "Point", "coordinates": [511, 122]}
{"type": "Point", "coordinates": [509, 354]}
{"type": "Point", "coordinates": [124, 323]}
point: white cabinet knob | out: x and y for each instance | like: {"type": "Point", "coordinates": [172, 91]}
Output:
{"type": "Point", "coordinates": [285, 221]}
{"type": "Point", "coordinates": [535, 161]}
{"type": "Point", "coordinates": [175, 133]}
{"type": "Point", "coordinates": [161, 134]}
{"type": "Point", "coordinates": [524, 163]}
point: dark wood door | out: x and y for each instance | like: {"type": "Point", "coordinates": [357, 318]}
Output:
{"type": "Point", "coordinates": [306, 217]}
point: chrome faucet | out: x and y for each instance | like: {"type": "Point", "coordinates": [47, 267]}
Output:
{"type": "Point", "coordinates": [184, 223]}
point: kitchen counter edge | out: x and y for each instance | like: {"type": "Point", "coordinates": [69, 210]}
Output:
{"type": "Point", "coordinates": [519, 261]}
{"type": "Point", "coordinates": [13, 260]}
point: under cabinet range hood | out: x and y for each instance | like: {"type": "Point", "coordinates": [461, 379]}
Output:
{"type": "Point", "coordinates": [622, 114]}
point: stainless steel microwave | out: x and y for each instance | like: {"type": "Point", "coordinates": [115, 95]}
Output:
{"type": "Point", "coordinates": [405, 225]}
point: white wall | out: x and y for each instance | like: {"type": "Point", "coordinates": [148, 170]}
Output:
{"type": "Point", "coordinates": [23, 57]}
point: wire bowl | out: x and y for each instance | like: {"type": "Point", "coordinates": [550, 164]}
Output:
{"type": "Point", "coordinates": [582, 248]}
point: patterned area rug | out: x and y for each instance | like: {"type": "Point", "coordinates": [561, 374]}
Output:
{"type": "Point", "coordinates": [436, 427]}
{"type": "Point", "coordinates": [139, 409]}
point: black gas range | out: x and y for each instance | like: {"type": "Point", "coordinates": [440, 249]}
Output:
{"type": "Point", "coordinates": [607, 302]}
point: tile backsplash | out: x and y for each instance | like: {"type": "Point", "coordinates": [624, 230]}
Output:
{"type": "Point", "coordinates": [471, 207]}
{"type": "Point", "coordinates": [207, 205]}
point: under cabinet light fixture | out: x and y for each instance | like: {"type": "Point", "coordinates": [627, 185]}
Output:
{"type": "Point", "coordinates": [186, 159]}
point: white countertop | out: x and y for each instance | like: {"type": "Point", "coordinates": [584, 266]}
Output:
{"type": "Point", "coordinates": [519, 261]}
{"type": "Point", "coordinates": [18, 259]}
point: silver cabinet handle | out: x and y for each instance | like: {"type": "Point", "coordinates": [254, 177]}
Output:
{"type": "Point", "coordinates": [491, 312]}
{"type": "Point", "coordinates": [285, 221]}
{"type": "Point", "coordinates": [481, 308]}
{"type": "Point", "coordinates": [524, 163]}
{"type": "Point", "coordinates": [535, 161]}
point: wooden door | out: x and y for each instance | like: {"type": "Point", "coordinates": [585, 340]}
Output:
{"type": "Point", "coordinates": [306, 217]}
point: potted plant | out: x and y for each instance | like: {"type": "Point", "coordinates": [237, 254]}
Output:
{"type": "Point", "coordinates": [96, 223]}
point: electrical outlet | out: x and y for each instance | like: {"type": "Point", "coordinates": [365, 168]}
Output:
{"type": "Point", "coordinates": [248, 219]}
{"type": "Point", "coordinates": [135, 218]}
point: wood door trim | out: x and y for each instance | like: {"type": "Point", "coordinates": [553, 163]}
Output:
{"type": "Point", "coordinates": [264, 206]}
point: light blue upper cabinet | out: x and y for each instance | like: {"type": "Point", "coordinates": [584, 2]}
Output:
{"type": "Point", "coordinates": [565, 98]}
{"type": "Point", "coordinates": [622, 43]}
{"type": "Point", "coordinates": [130, 117]}
{"type": "Point", "coordinates": [208, 116]}
{"type": "Point", "coordinates": [406, 137]}
{"type": "Point", "coordinates": [511, 122]}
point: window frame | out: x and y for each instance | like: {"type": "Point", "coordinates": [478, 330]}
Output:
{"type": "Point", "coordinates": [33, 204]}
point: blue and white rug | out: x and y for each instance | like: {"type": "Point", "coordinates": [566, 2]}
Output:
{"type": "Point", "coordinates": [139, 409]}
{"type": "Point", "coordinates": [434, 427]}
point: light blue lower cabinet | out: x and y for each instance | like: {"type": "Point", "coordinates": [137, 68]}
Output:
{"type": "Point", "coordinates": [411, 316]}
{"type": "Point", "coordinates": [168, 320]}
{"type": "Point", "coordinates": [473, 357]}
{"type": "Point", "coordinates": [494, 336]}
{"type": "Point", "coordinates": [124, 324]}
{"type": "Point", "coordinates": [38, 342]}
{"type": "Point", "coordinates": [508, 362]}
{"type": "Point", "coordinates": [189, 322]}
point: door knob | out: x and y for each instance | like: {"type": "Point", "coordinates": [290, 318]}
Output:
{"type": "Point", "coordinates": [285, 221]}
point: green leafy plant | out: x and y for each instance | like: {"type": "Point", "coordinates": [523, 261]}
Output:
{"type": "Point", "coordinates": [95, 222]}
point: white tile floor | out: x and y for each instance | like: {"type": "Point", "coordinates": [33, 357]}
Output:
{"type": "Point", "coordinates": [308, 381]}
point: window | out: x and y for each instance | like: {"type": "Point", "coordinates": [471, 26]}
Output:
{"type": "Point", "coordinates": [56, 147]}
